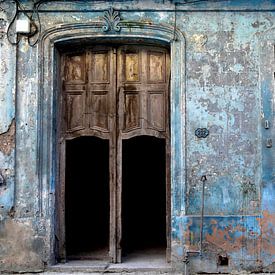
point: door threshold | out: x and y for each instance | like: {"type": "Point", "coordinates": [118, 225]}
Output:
{"type": "Point", "coordinates": [134, 262]}
{"type": "Point", "coordinates": [106, 267]}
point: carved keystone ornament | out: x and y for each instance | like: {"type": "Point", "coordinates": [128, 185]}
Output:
{"type": "Point", "coordinates": [111, 20]}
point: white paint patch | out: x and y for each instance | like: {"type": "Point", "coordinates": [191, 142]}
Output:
{"type": "Point", "coordinates": [206, 71]}
{"type": "Point", "coordinates": [76, 18]}
{"type": "Point", "coordinates": [162, 15]}
{"type": "Point", "coordinates": [25, 45]}
{"type": "Point", "coordinates": [237, 68]}
{"type": "Point", "coordinates": [225, 195]}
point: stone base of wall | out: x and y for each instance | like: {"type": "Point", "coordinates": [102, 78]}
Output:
{"type": "Point", "coordinates": [21, 249]}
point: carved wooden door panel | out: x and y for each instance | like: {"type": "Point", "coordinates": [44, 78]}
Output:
{"type": "Point", "coordinates": [88, 103]}
{"type": "Point", "coordinates": [115, 94]}
{"type": "Point", "coordinates": [143, 79]}
{"type": "Point", "coordinates": [74, 91]}
{"type": "Point", "coordinates": [89, 90]}
{"type": "Point", "coordinates": [143, 75]}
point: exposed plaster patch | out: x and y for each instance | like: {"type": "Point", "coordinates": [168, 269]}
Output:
{"type": "Point", "coordinates": [200, 41]}
{"type": "Point", "coordinates": [18, 236]}
{"type": "Point", "coordinates": [3, 67]}
{"type": "Point", "coordinates": [237, 68]}
{"type": "Point", "coordinates": [7, 139]}
{"type": "Point", "coordinates": [76, 18]}
{"type": "Point", "coordinates": [25, 46]}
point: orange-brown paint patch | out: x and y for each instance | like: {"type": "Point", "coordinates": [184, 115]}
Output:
{"type": "Point", "coordinates": [267, 223]}
{"type": "Point", "coordinates": [223, 240]}
{"type": "Point", "coordinates": [7, 139]}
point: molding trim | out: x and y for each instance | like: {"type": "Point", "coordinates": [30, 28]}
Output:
{"type": "Point", "coordinates": [47, 97]}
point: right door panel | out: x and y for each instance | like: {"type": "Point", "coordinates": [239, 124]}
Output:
{"type": "Point", "coordinates": [143, 75]}
{"type": "Point", "coordinates": [143, 82]}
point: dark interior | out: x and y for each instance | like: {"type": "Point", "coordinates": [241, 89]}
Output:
{"type": "Point", "coordinates": [143, 194]}
{"type": "Point", "coordinates": [87, 198]}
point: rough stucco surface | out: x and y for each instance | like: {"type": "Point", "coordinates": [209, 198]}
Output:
{"type": "Point", "coordinates": [22, 248]}
{"type": "Point", "coordinates": [222, 79]}
{"type": "Point", "coordinates": [7, 122]}
{"type": "Point", "coordinates": [229, 90]}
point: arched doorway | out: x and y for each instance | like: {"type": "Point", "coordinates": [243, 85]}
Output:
{"type": "Point", "coordinates": [117, 97]}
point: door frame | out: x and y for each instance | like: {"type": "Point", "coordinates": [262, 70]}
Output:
{"type": "Point", "coordinates": [55, 39]}
{"type": "Point", "coordinates": [116, 137]}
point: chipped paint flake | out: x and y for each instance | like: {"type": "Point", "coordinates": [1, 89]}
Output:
{"type": "Point", "coordinates": [7, 139]}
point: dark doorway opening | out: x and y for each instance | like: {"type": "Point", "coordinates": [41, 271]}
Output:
{"type": "Point", "coordinates": [143, 195]}
{"type": "Point", "coordinates": [87, 198]}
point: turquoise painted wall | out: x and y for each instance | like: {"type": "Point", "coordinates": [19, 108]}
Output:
{"type": "Point", "coordinates": [229, 89]}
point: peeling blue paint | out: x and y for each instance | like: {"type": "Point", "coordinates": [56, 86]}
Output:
{"type": "Point", "coordinates": [228, 89]}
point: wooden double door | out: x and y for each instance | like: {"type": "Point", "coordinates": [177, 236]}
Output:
{"type": "Point", "coordinates": [114, 93]}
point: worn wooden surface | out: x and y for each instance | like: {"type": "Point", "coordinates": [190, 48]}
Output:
{"type": "Point", "coordinates": [92, 85]}
{"type": "Point", "coordinates": [115, 93]}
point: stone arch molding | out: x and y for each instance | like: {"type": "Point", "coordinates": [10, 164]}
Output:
{"type": "Point", "coordinates": [48, 111]}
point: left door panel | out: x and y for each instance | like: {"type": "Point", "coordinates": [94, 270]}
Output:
{"type": "Point", "coordinates": [88, 91]}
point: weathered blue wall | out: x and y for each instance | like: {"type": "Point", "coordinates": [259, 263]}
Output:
{"type": "Point", "coordinates": [229, 86]}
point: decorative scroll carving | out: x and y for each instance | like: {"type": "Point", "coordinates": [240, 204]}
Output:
{"type": "Point", "coordinates": [3, 24]}
{"type": "Point", "coordinates": [111, 21]}
{"type": "Point", "coordinates": [7, 13]}
{"type": "Point", "coordinates": [2, 180]}
{"type": "Point", "coordinates": [7, 7]}
{"type": "Point", "coordinates": [1, 8]}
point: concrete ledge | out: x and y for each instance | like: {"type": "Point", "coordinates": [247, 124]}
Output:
{"type": "Point", "coordinates": [153, 267]}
